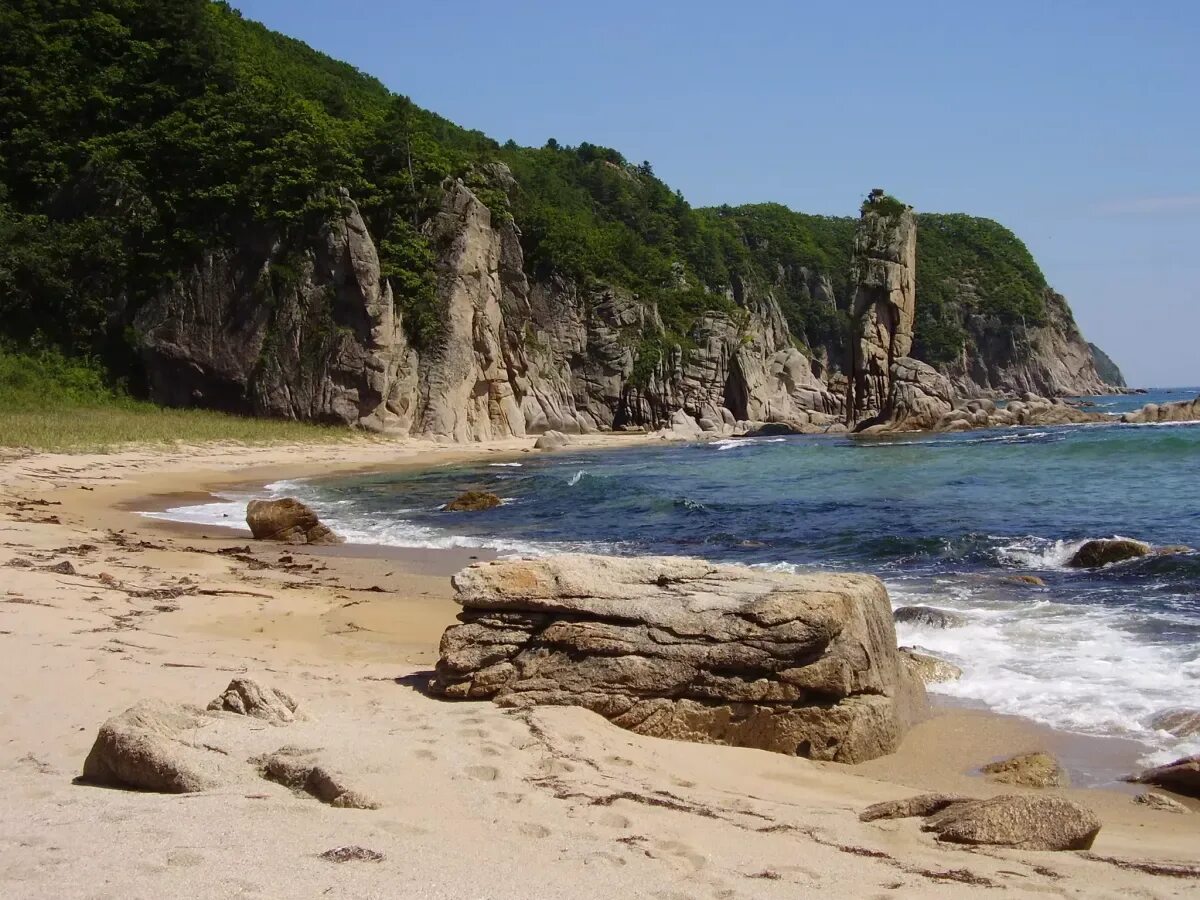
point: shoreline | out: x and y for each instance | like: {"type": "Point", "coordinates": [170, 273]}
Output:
{"type": "Point", "coordinates": [350, 631]}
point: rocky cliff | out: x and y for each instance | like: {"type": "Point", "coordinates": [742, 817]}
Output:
{"type": "Point", "coordinates": [1109, 371]}
{"type": "Point", "coordinates": [308, 328]}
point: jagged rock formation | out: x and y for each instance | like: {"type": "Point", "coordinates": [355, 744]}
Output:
{"type": "Point", "coordinates": [1106, 368]}
{"type": "Point", "coordinates": [1179, 411]}
{"type": "Point", "coordinates": [308, 328]}
{"type": "Point", "coordinates": [686, 649]}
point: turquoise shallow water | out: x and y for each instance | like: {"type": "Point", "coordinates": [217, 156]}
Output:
{"type": "Point", "coordinates": [942, 519]}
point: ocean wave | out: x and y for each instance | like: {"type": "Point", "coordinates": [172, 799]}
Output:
{"type": "Point", "coordinates": [505, 465]}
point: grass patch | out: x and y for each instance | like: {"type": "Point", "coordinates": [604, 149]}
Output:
{"type": "Point", "coordinates": [50, 403]}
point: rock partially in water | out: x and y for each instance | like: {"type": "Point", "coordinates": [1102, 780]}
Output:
{"type": "Point", "coordinates": [930, 669]}
{"type": "Point", "coordinates": [473, 501]}
{"type": "Point", "coordinates": [1038, 770]}
{"type": "Point", "coordinates": [1097, 553]}
{"type": "Point", "coordinates": [929, 617]}
{"type": "Point", "coordinates": [687, 649]}
{"type": "Point", "coordinates": [1180, 722]}
{"type": "Point", "coordinates": [287, 520]}
{"type": "Point", "coordinates": [1025, 823]}
{"type": "Point", "coordinates": [1181, 776]}
{"type": "Point", "coordinates": [1179, 411]}
{"type": "Point", "coordinates": [1031, 580]}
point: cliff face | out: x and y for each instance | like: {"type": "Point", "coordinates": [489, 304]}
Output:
{"type": "Point", "coordinates": [307, 329]}
{"type": "Point", "coordinates": [1108, 370]}
{"type": "Point", "coordinates": [310, 331]}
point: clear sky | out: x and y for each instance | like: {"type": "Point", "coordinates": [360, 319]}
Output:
{"type": "Point", "coordinates": [1076, 124]}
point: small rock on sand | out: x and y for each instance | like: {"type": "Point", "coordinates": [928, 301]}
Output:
{"type": "Point", "coordinates": [1161, 802]}
{"type": "Point", "coordinates": [287, 520]}
{"type": "Point", "coordinates": [1039, 770]}
{"type": "Point", "coordinates": [1025, 823]}
{"type": "Point", "coordinates": [247, 697]}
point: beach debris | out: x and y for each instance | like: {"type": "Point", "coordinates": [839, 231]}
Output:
{"type": "Point", "coordinates": [929, 617]}
{"type": "Point", "coordinates": [919, 806]}
{"type": "Point", "coordinates": [473, 501]}
{"type": "Point", "coordinates": [150, 747]}
{"type": "Point", "coordinates": [551, 440]}
{"type": "Point", "coordinates": [930, 669]}
{"type": "Point", "coordinates": [1161, 802]}
{"type": "Point", "coordinates": [352, 853]}
{"type": "Point", "coordinates": [1102, 552]}
{"type": "Point", "coordinates": [302, 770]}
{"type": "Point", "coordinates": [1181, 776]}
{"type": "Point", "coordinates": [62, 568]}
{"type": "Point", "coordinates": [1038, 769]}
{"type": "Point", "coordinates": [246, 697]}
{"type": "Point", "coordinates": [1181, 722]}
{"type": "Point", "coordinates": [287, 520]}
{"type": "Point", "coordinates": [803, 664]}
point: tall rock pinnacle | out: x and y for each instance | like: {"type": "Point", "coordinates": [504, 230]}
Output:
{"type": "Point", "coordinates": [884, 277]}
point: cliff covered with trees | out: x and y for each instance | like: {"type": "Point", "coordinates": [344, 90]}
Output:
{"type": "Point", "coordinates": [218, 215]}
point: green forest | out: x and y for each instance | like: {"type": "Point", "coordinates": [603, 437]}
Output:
{"type": "Point", "coordinates": [134, 135]}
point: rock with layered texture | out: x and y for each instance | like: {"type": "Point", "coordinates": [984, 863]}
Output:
{"type": "Point", "coordinates": [883, 307]}
{"type": "Point", "coordinates": [920, 396]}
{"type": "Point", "coordinates": [687, 649]}
{"type": "Point", "coordinates": [151, 747]}
{"type": "Point", "coordinates": [287, 520]}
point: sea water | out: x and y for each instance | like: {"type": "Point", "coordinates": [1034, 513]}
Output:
{"type": "Point", "coordinates": [944, 520]}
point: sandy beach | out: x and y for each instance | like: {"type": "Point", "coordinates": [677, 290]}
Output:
{"type": "Point", "coordinates": [474, 800]}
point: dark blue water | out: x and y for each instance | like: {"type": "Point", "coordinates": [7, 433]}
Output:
{"type": "Point", "coordinates": [944, 520]}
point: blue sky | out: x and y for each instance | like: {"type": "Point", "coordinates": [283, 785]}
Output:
{"type": "Point", "coordinates": [1073, 123]}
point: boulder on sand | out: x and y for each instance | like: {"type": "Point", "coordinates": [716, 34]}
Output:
{"type": "Point", "coordinates": [687, 649]}
{"type": "Point", "coordinates": [1038, 769]}
{"type": "Point", "coordinates": [551, 440]}
{"type": "Point", "coordinates": [1026, 823]}
{"type": "Point", "coordinates": [287, 520]}
{"type": "Point", "coordinates": [150, 747]}
{"type": "Point", "coordinates": [929, 617]}
{"type": "Point", "coordinates": [1095, 554]}
{"type": "Point", "coordinates": [473, 501]}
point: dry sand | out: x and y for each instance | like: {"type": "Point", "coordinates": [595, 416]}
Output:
{"type": "Point", "coordinates": [477, 802]}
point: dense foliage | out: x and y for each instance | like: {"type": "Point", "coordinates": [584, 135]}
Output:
{"type": "Point", "coordinates": [136, 134]}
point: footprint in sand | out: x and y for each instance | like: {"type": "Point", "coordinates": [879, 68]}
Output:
{"type": "Point", "coordinates": [472, 733]}
{"type": "Point", "coordinates": [603, 857]}
{"type": "Point", "coordinates": [679, 854]}
{"type": "Point", "coordinates": [424, 754]}
{"type": "Point", "coordinates": [619, 761]}
{"type": "Point", "coordinates": [612, 819]}
{"type": "Point", "coordinates": [533, 830]}
{"type": "Point", "coordinates": [482, 773]}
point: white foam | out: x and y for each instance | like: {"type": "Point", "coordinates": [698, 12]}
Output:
{"type": "Point", "coordinates": [505, 465]}
{"type": "Point", "coordinates": [1032, 552]}
{"type": "Point", "coordinates": [576, 478]}
{"type": "Point", "coordinates": [1073, 667]}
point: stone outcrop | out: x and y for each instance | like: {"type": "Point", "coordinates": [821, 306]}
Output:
{"type": "Point", "coordinates": [473, 501]}
{"type": "Point", "coordinates": [929, 617]}
{"type": "Point", "coordinates": [1103, 552]}
{"type": "Point", "coordinates": [246, 697]}
{"type": "Point", "coordinates": [928, 668]}
{"type": "Point", "coordinates": [1181, 776]}
{"type": "Point", "coordinates": [1037, 770]}
{"type": "Point", "coordinates": [302, 770]}
{"type": "Point", "coordinates": [1179, 411]}
{"type": "Point", "coordinates": [686, 649]}
{"type": "Point", "coordinates": [883, 308]}
{"type": "Point", "coordinates": [1106, 368]}
{"type": "Point", "coordinates": [287, 520]}
{"type": "Point", "coordinates": [150, 747]}
{"type": "Point", "coordinates": [1024, 823]}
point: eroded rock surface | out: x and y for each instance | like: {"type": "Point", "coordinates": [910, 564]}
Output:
{"type": "Point", "coordinates": [287, 520]}
{"type": "Point", "coordinates": [930, 669]}
{"type": "Point", "coordinates": [1181, 776]}
{"type": "Point", "coordinates": [1026, 823]}
{"type": "Point", "coordinates": [303, 770]}
{"type": "Point", "coordinates": [687, 649]}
